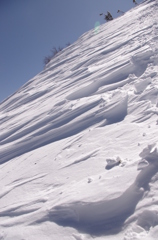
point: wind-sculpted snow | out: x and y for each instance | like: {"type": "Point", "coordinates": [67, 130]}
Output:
{"type": "Point", "coordinates": [70, 139]}
{"type": "Point", "coordinates": [61, 125]}
{"type": "Point", "coordinates": [98, 71]}
{"type": "Point", "coordinates": [148, 219]}
{"type": "Point", "coordinates": [108, 217]}
{"type": "Point", "coordinates": [137, 66]}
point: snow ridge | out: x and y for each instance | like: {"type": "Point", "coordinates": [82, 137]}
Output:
{"type": "Point", "coordinates": [107, 217]}
{"type": "Point", "coordinates": [74, 137]}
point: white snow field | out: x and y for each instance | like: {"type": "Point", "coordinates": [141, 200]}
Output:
{"type": "Point", "coordinates": [79, 141]}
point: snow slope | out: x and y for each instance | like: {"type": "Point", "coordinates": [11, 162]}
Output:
{"type": "Point", "coordinates": [78, 142]}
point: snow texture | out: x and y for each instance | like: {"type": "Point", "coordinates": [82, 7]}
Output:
{"type": "Point", "coordinates": [78, 142]}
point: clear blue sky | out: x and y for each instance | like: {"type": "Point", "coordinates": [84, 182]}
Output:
{"type": "Point", "coordinates": [29, 29]}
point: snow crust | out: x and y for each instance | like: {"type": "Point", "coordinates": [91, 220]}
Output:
{"type": "Point", "coordinates": [78, 142]}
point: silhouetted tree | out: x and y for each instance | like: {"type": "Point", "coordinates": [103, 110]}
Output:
{"type": "Point", "coordinates": [107, 16]}
{"type": "Point", "coordinates": [134, 1]}
{"type": "Point", "coordinates": [54, 51]}
{"type": "Point", "coordinates": [47, 60]}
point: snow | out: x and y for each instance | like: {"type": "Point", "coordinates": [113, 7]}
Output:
{"type": "Point", "coordinates": [78, 142]}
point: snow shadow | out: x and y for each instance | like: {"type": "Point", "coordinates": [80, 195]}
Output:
{"type": "Point", "coordinates": [148, 219]}
{"type": "Point", "coordinates": [115, 113]}
{"type": "Point", "coordinates": [106, 217]}
{"type": "Point", "coordinates": [62, 125]}
{"type": "Point", "coordinates": [137, 65]}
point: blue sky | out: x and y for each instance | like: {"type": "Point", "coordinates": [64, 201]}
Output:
{"type": "Point", "coordinates": [29, 29]}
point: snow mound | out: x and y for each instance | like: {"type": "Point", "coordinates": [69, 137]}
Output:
{"type": "Point", "coordinates": [150, 153]}
{"type": "Point", "coordinates": [112, 163]}
{"type": "Point", "coordinates": [96, 100]}
{"type": "Point", "coordinates": [108, 217]}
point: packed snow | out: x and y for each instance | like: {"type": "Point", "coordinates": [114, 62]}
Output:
{"type": "Point", "coordinates": [79, 141]}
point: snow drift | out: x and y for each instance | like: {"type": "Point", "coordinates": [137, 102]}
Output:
{"type": "Point", "coordinates": [78, 142]}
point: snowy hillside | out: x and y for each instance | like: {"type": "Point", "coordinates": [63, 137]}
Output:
{"type": "Point", "coordinates": [79, 141]}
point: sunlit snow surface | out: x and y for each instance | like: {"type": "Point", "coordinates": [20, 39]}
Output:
{"type": "Point", "coordinates": [78, 142]}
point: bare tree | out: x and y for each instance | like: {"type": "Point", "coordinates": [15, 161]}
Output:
{"type": "Point", "coordinates": [54, 51]}
{"type": "Point", "coordinates": [107, 17]}
{"type": "Point", "coordinates": [47, 60]}
{"type": "Point", "coordinates": [134, 1]}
